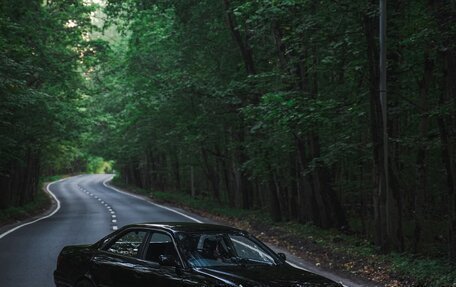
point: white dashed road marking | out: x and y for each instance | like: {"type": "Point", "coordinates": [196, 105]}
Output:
{"type": "Point", "coordinates": [114, 227]}
{"type": "Point", "coordinates": [152, 203]}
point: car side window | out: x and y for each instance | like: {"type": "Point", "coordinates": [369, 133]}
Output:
{"type": "Point", "coordinates": [128, 244]}
{"type": "Point", "coordinates": [158, 237]}
{"type": "Point", "coordinates": [160, 244]}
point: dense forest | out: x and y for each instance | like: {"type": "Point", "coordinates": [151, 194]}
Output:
{"type": "Point", "coordinates": [43, 54]}
{"type": "Point", "coordinates": [259, 104]}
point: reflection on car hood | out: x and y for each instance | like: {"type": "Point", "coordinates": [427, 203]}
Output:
{"type": "Point", "coordinates": [266, 276]}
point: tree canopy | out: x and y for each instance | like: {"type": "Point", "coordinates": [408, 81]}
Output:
{"type": "Point", "coordinates": [259, 104]}
{"type": "Point", "coordinates": [44, 54]}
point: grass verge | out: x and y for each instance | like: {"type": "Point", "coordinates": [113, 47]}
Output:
{"type": "Point", "coordinates": [328, 248]}
{"type": "Point", "coordinates": [41, 203]}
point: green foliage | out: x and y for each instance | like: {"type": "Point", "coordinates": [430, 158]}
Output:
{"type": "Point", "coordinates": [427, 272]}
{"type": "Point", "coordinates": [51, 178]}
{"type": "Point", "coordinates": [99, 165]}
{"type": "Point", "coordinates": [46, 56]}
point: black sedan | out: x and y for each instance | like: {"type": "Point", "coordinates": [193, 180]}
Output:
{"type": "Point", "coordinates": [178, 254]}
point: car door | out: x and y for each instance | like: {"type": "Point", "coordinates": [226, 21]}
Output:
{"type": "Point", "coordinates": [156, 272]}
{"type": "Point", "coordinates": [116, 263]}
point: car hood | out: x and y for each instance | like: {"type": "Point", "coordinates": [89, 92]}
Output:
{"type": "Point", "coordinates": [266, 276]}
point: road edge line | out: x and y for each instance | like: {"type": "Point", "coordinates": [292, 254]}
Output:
{"type": "Point", "coordinates": [150, 202]}
{"type": "Point", "coordinates": [40, 218]}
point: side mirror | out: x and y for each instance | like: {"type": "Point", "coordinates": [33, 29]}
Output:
{"type": "Point", "coordinates": [167, 260]}
{"type": "Point", "coordinates": [282, 256]}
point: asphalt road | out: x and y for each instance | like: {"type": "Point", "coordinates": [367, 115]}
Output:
{"type": "Point", "coordinates": [89, 210]}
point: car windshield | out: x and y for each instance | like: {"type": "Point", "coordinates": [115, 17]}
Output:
{"type": "Point", "coordinates": [223, 249]}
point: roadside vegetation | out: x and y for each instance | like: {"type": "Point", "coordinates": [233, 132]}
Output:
{"type": "Point", "coordinates": [328, 249]}
{"type": "Point", "coordinates": [37, 206]}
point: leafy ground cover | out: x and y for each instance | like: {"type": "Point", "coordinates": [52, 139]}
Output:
{"type": "Point", "coordinates": [326, 248]}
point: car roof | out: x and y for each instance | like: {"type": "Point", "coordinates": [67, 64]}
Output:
{"type": "Point", "coordinates": [186, 227]}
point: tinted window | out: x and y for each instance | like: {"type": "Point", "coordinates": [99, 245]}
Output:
{"type": "Point", "coordinates": [221, 249]}
{"type": "Point", "coordinates": [160, 244]}
{"type": "Point", "coordinates": [128, 244]}
{"type": "Point", "coordinates": [158, 237]}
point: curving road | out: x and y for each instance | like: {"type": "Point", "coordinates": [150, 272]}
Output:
{"type": "Point", "coordinates": [88, 211]}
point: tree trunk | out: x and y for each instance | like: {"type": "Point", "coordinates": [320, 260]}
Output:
{"type": "Point", "coordinates": [243, 44]}
{"type": "Point", "coordinates": [422, 153]}
{"type": "Point", "coordinates": [331, 212]}
{"type": "Point", "coordinates": [309, 208]}
{"type": "Point", "coordinates": [275, 199]}
{"type": "Point", "coordinates": [177, 173]}
{"type": "Point", "coordinates": [445, 16]}
{"type": "Point", "coordinates": [293, 199]}
{"type": "Point", "coordinates": [379, 190]}
{"type": "Point", "coordinates": [212, 175]}
{"type": "Point", "coordinates": [448, 142]}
